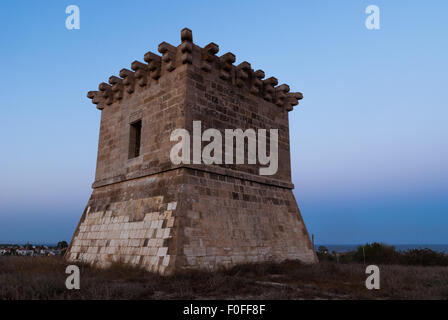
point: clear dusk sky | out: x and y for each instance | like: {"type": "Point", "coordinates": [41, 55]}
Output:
{"type": "Point", "coordinates": [369, 141]}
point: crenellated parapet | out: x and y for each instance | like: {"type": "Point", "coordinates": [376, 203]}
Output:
{"type": "Point", "coordinates": [144, 74]}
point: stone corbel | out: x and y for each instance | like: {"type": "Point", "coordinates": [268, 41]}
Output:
{"type": "Point", "coordinates": [226, 62]}
{"type": "Point", "coordinates": [97, 98]}
{"type": "Point", "coordinates": [208, 54]}
{"type": "Point", "coordinates": [168, 56]}
{"type": "Point", "coordinates": [280, 94]}
{"type": "Point", "coordinates": [242, 73]}
{"type": "Point", "coordinates": [292, 100]}
{"type": "Point", "coordinates": [128, 80]}
{"type": "Point", "coordinates": [268, 88]}
{"type": "Point", "coordinates": [154, 64]}
{"type": "Point", "coordinates": [106, 90]}
{"type": "Point", "coordinates": [117, 87]}
{"type": "Point", "coordinates": [141, 72]}
{"type": "Point", "coordinates": [257, 83]}
{"type": "Point", "coordinates": [186, 47]}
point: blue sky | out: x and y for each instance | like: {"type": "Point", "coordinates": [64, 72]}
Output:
{"type": "Point", "coordinates": [369, 140]}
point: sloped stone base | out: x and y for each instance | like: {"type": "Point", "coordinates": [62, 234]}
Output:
{"type": "Point", "coordinates": [190, 219]}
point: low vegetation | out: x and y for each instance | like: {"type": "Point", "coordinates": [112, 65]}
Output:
{"type": "Point", "coordinates": [44, 278]}
{"type": "Point", "coordinates": [378, 253]}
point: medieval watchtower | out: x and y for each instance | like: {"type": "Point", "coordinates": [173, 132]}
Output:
{"type": "Point", "coordinates": [146, 210]}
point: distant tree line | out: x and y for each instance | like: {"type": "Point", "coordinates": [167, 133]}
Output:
{"type": "Point", "coordinates": [379, 253]}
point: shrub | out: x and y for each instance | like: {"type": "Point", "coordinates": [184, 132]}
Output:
{"type": "Point", "coordinates": [324, 255]}
{"type": "Point", "coordinates": [424, 257]}
{"type": "Point", "coordinates": [377, 253]}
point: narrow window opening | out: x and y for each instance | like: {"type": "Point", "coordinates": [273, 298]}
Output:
{"type": "Point", "coordinates": [134, 139]}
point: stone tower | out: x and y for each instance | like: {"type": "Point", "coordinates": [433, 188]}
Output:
{"type": "Point", "coordinates": [146, 210]}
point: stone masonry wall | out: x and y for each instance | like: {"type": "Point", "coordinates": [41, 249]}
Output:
{"type": "Point", "coordinates": [161, 110]}
{"type": "Point", "coordinates": [132, 222]}
{"type": "Point", "coordinates": [227, 221]}
{"type": "Point", "coordinates": [221, 105]}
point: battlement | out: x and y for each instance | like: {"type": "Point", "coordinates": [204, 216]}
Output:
{"type": "Point", "coordinates": [187, 53]}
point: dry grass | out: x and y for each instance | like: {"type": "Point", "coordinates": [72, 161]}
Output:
{"type": "Point", "coordinates": [44, 278]}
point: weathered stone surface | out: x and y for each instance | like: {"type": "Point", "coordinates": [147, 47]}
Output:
{"type": "Point", "coordinates": [147, 211]}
